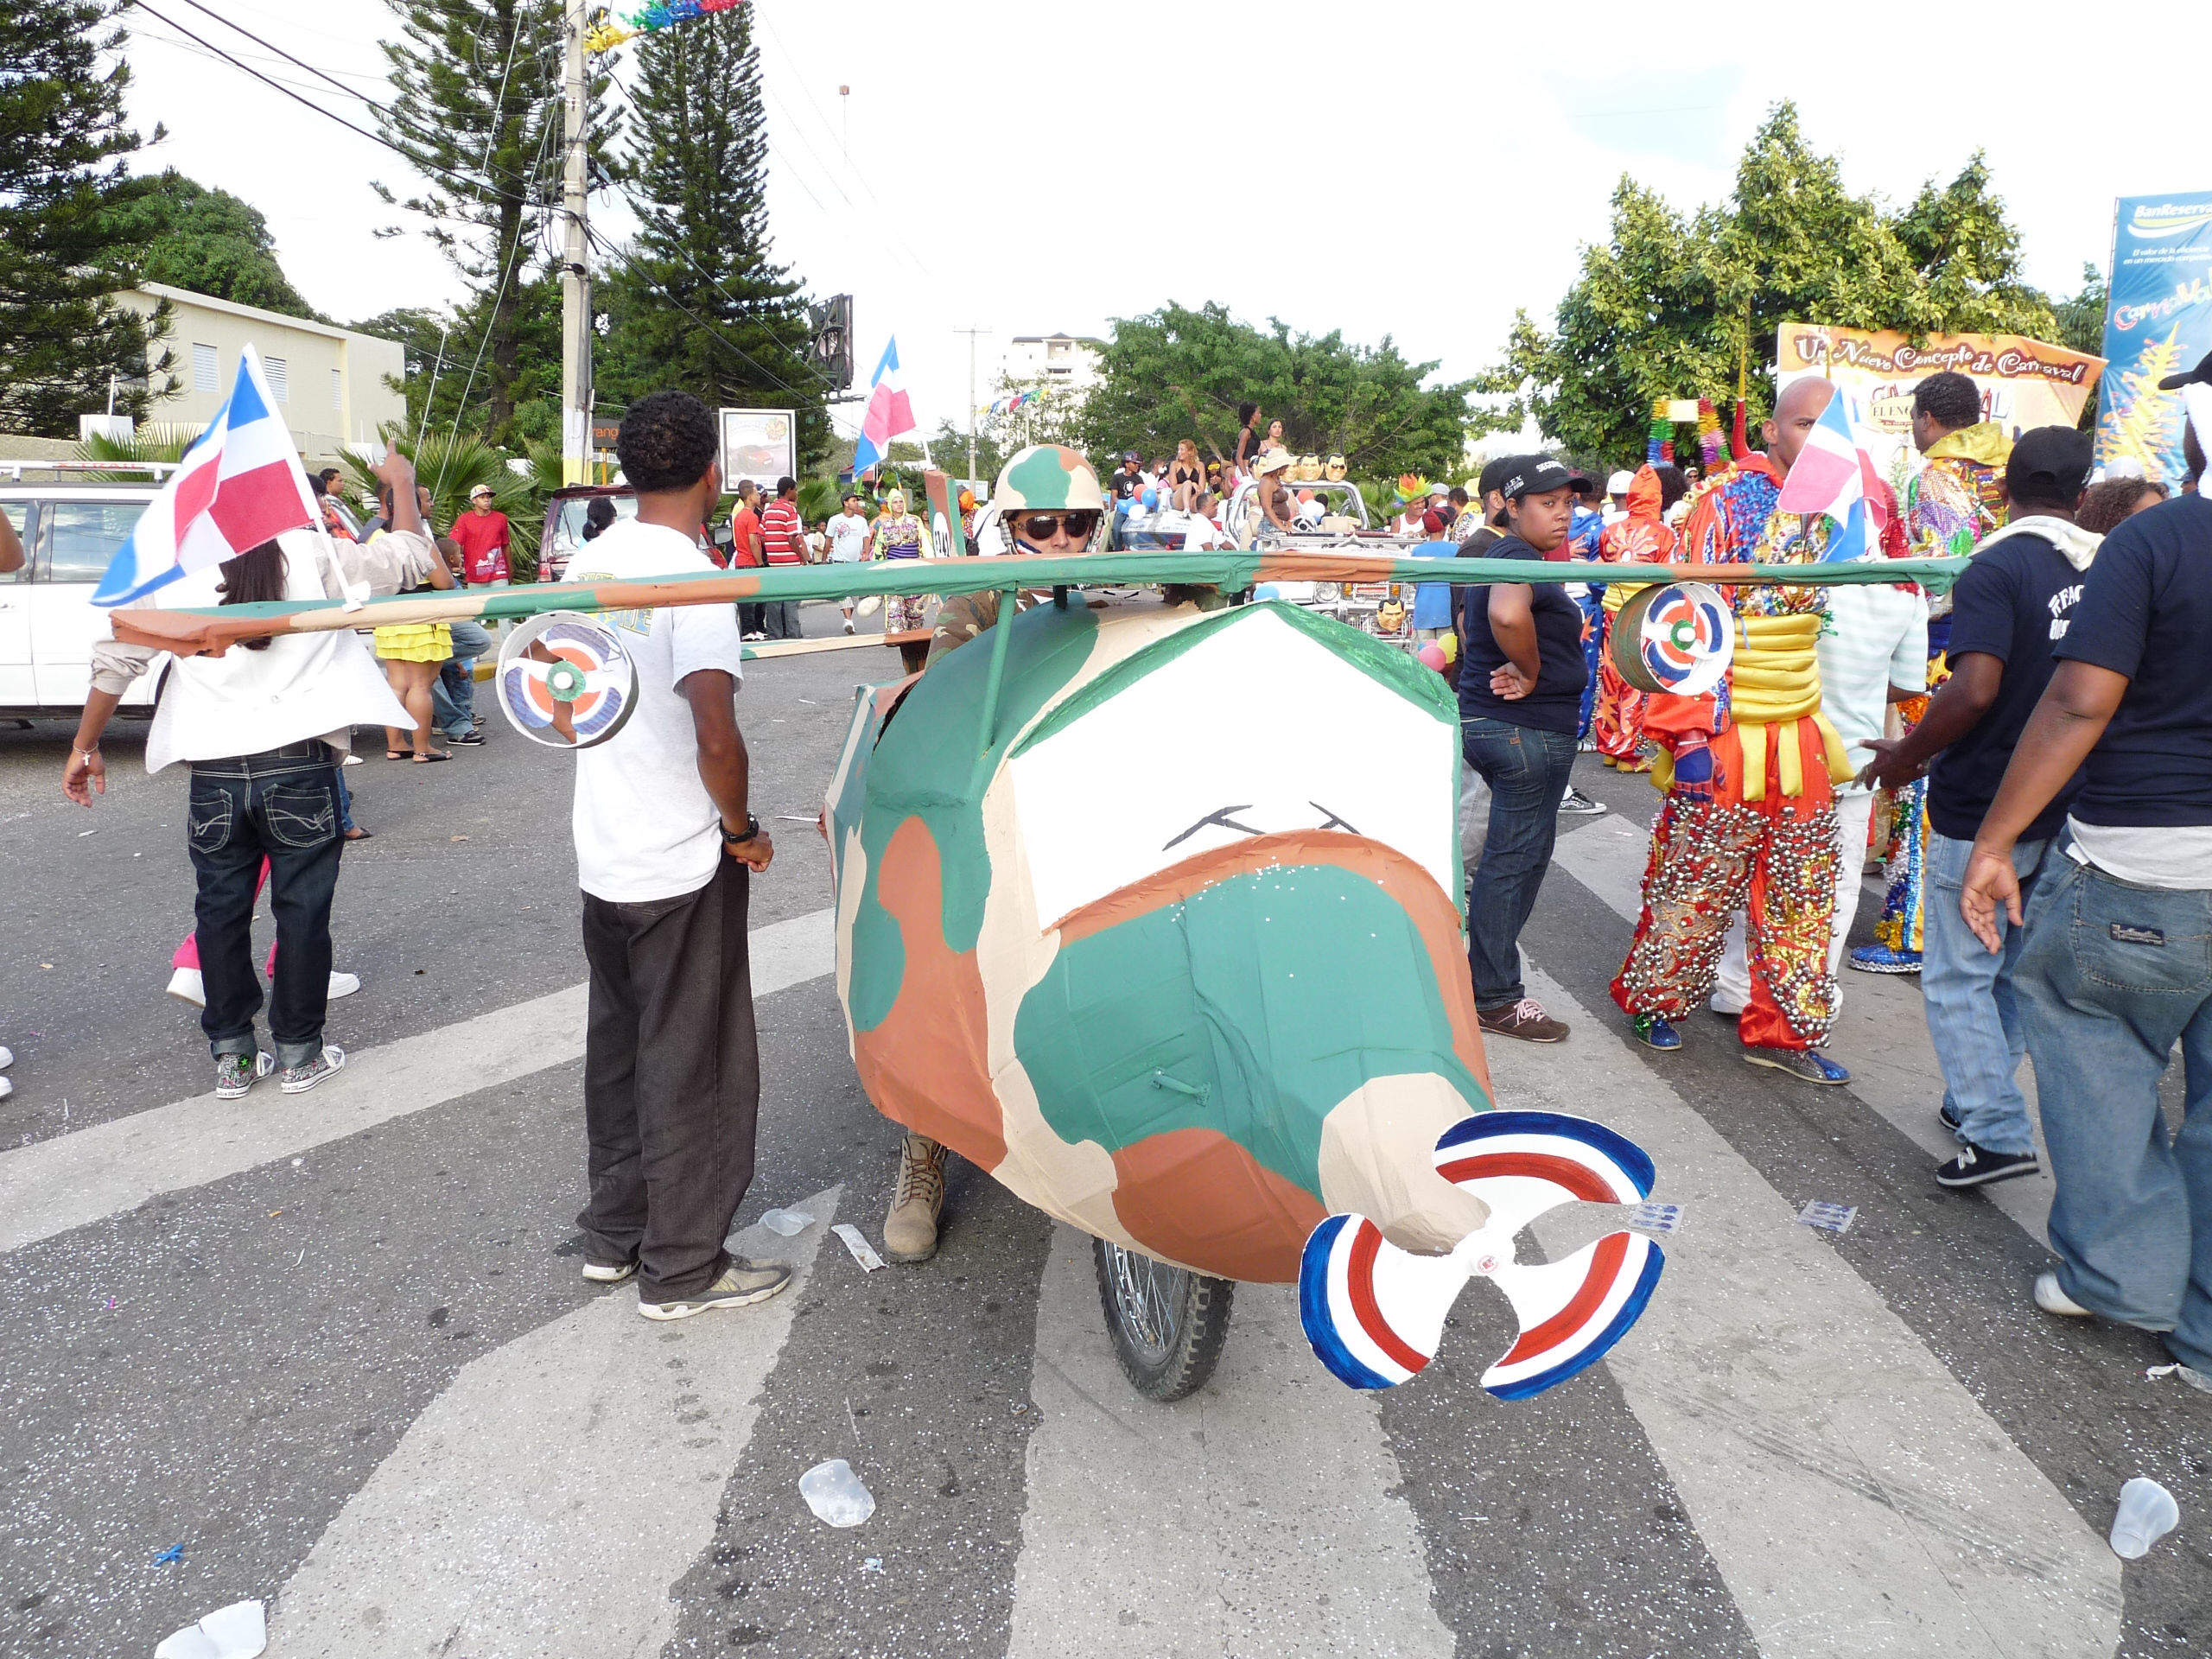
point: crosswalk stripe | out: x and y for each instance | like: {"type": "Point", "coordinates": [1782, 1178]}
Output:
{"type": "Point", "coordinates": [1881, 1034]}
{"type": "Point", "coordinates": [545, 1502]}
{"type": "Point", "coordinates": [1855, 1498]}
{"type": "Point", "coordinates": [74, 1179]}
{"type": "Point", "coordinates": [1259, 1516]}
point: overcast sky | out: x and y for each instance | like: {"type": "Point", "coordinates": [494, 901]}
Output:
{"type": "Point", "coordinates": [1054, 166]}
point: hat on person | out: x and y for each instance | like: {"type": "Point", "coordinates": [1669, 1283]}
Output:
{"type": "Point", "coordinates": [1131, 455]}
{"type": "Point", "coordinates": [1271, 461]}
{"type": "Point", "coordinates": [481, 489]}
{"type": "Point", "coordinates": [1493, 476]}
{"type": "Point", "coordinates": [1618, 483]}
{"type": "Point", "coordinates": [1538, 475]}
{"type": "Point", "coordinates": [1433, 522]}
{"type": "Point", "coordinates": [2048, 463]}
{"type": "Point", "coordinates": [2201, 375]}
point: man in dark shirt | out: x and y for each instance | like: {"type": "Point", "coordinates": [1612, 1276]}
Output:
{"type": "Point", "coordinates": [2008, 612]}
{"type": "Point", "coordinates": [1521, 679]}
{"type": "Point", "coordinates": [2114, 973]}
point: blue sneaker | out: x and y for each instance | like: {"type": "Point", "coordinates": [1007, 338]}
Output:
{"type": "Point", "coordinates": [1880, 959]}
{"type": "Point", "coordinates": [1801, 1063]}
{"type": "Point", "coordinates": [1653, 1030]}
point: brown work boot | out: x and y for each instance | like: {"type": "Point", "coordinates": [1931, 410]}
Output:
{"type": "Point", "coordinates": [910, 1231]}
{"type": "Point", "coordinates": [1525, 1020]}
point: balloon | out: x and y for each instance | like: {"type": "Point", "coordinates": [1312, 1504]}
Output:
{"type": "Point", "coordinates": [1151, 500]}
{"type": "Point", "coordinates": [1433, 654]}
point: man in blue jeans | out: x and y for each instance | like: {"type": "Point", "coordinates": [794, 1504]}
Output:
{"type": "Point", "coordinates": [2009, 610]}
{"type": "Point", "coordinates": [2117, 968]}
{"type": "Point", "coordinates": [1521, 679]}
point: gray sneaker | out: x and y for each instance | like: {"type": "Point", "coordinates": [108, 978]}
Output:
{"type": "Point", "coordinates": [743, 1283]}
{"type": "Point", "coordinates": [236, 1073]}
{"type": "Point", "coordinates": [298, 1079]}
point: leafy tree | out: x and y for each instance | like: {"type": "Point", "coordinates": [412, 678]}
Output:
{"type": "Point", "coordinates": [451, 466]}
{"type": "Point", "coordinates": [1179, 374]}
{"type": "Point", "coordinates": [699, 302]}
{"type": "Point", "coordinates": [208, 241]}
{"type": "Point", "coordinates": [1670, 305]}
{"type": "Point", "coordinates": [441, 348]}
{"type": "Point", "coordinates": [61, 132]}
{"type": "Point", "coordinates": [476, 107]}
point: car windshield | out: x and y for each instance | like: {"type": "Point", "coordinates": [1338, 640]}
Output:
{"type": "Point", "coordinates": [82, 536]}
{"type": "Point", "coordinates": [569, 528]}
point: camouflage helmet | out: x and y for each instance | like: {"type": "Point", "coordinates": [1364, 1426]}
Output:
{"type": "Point", "coordinates": [1048, 477]}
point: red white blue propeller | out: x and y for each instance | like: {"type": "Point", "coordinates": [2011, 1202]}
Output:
{"type": "Point", "coordinates": [1375, 1313]}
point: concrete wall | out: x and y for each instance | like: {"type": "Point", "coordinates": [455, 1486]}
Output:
{"type": "Point", "coordinates": [333, 390]}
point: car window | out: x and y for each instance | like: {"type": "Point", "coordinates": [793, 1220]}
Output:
{"type": "Point", "coordinates": [82, 536]}
{"type": "Point", "coordinates": [23, 516]}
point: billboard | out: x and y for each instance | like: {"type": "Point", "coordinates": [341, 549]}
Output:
{"type": "Point", "coordinates": [2024, 383]}
{"type": "Point", "coordinates": [2158, 322]}
{"type": "Point", "coordinates": [761, 444]}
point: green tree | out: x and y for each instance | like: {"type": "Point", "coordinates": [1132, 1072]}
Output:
{"type": "Point", "coordinates": [699, 302]}
{"type": "Point", "coordinates": [440, 346]}
{"type": "Point", "coordinates": [61, 132]}
{"type": "Point", "coordinates": [190, 237]}
{"type": "Point", "coordinates": [1671, 306]}
{"type": "Point", "coordinates": [1179, 374]}
{"type": "Point", "coordinates": [476, 107]}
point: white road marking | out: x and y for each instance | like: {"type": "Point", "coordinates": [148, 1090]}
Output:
{"type": "Point", "coordinates": [1855, 1498]}
{"type": "Point", "coordinates": [542, 1507]}
{"type": "Point", "coordinates": [86, 1176]}
{"type": "Point", "coordinates": [1253, 1517]}
{"type": "Point", "coordinates": [1880, 1037]}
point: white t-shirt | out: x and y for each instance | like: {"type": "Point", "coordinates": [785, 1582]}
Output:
{"type": "Point", "coordinates": [1877, 637]}
{"type": "Point", "coordinates": [645, 827]}
{"type": "Point", "coordinates": [848, 538]}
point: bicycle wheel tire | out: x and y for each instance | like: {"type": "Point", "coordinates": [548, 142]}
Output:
{"type": "Point", "coordinates": [1167, 1324]}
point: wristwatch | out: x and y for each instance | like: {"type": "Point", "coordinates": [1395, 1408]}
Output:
{"type": "Point", "coordinates": [752, 832]}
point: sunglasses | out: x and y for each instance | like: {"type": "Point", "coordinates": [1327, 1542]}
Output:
{"type": "Point", "coordinates": [1042, 526]}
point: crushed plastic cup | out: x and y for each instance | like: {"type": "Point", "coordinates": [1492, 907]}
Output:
{"type": "Point", "coordinates": [2147, 1513]}
{"type": "Point", "coordinates": [833, 1492]}
{"type": "Point", "coordinates": [237, 1631]}
{"type": "Point", "coordinates": [787, 1224]}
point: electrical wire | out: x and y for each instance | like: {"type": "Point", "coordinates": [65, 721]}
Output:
{"type": "Point", "coordinates": [298, 63]}
{"type": "Point", "coordinates": [737, 350]}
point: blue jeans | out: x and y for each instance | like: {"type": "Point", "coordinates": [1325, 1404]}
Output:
{"type": "Point", "coordinates": [1526, 771]}
{"type": "Point", "coordinates": [453, 694]}
{"type": "Point", "coordinates": [281, 804]}
{"type": "Point", "coordinates": [1973, 1016]}
{"type": "Point", "coordinates": [2114, 975]}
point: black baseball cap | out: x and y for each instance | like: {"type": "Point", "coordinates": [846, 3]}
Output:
{"type": "Point", "coordinates": [2201, 375]}
{"type": "Point", "coordinates": [2048, 463]}
{"type": "Point", "coordinates": [1494, 474]}
{"type": "Point", "coordinates": [1538, 475]}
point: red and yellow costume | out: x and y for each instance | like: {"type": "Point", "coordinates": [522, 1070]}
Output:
{"type": "Point", "coordinates": [1749, 771]}
{"type": "Point", "coordinates": [1642, 537]}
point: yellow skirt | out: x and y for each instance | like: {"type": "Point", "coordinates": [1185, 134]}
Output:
{"type": "Point", "coordinates": [415, 642]}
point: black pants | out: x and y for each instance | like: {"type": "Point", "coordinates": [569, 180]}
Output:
{"type": "Point", "coordinates": [750, 619]}
{"type": "Point", "coordinates": [282, 805]}
{"type": "Point", "coordinates": [671, 1082]}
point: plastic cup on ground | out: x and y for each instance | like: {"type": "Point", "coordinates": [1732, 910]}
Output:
{"type": "Point", "coordinates": [2147, 1513]}
{"type": "Point", "coordinates": [833, 1492]}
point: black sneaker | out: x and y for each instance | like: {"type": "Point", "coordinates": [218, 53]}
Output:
{"type": "Point", "coordinates": [1979, 1167]}
{"type": "Point", "coordinates": [1949, 1116]}
{"type": "Point", "coordinates": [1575, 804]}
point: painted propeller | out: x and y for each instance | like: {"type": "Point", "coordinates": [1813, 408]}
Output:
{"type": "Point", "coordinates": [1375, 1313]}
{"type": "Point", "coordinates": [565, 681]}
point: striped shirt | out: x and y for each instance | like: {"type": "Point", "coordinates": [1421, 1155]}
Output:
{"type": "Point", "coordinates": [779, 533]}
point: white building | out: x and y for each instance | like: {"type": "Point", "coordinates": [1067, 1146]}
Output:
{"type": "Point", "coordinates": [1061, 361]}
{"type": "Point", "coordinates": [329, 384]}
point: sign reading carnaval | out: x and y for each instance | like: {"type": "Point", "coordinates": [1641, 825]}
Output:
{"type": "Point", "coordinates": [2024, 383]}
{"type": "Point", "coordinates": [2158, 322]}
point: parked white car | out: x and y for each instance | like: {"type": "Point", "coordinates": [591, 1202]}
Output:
{"type": "Point", "coordinates": [47, 620]}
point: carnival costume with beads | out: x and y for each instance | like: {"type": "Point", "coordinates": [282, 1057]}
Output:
{"type": "Point", "coordinates": [1750, 773]}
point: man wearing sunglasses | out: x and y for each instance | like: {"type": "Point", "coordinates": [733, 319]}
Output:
{"type": "Point", "coordinates": [1052, 504]}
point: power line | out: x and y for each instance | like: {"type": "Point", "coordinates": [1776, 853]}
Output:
{"type": "Point", "coordinates": [299, 63]}
{"type": "Point", "coordinates": [738, 352]}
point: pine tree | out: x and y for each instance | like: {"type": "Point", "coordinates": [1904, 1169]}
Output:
{"type": "Point", "coordinates": [62, 136]}
{"type": "Point", "coordinates": [700, 304]}
{"type": "Point", "coordinates": [477, 109]}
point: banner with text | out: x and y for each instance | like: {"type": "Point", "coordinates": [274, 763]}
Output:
{"type": "Point", "coordinates": [2159, 322]}
{"type": "Point", "coordinates": [2024, 383]}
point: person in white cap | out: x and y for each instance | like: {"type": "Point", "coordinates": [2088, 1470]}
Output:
{"type": "Point", "coordinates": [484, 536]}
{"type": "Point", "coordinates": [1617, 489]}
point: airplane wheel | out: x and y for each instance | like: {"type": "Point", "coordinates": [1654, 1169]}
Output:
{"type": "Point", "coordinates": [1168, 1324]}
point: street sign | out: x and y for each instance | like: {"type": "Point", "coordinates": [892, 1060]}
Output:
{"type": "Point", "coordinates": [761, 444]}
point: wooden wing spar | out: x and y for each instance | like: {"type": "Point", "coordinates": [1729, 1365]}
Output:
{"type": "Point", "coordinates": [212, 631]}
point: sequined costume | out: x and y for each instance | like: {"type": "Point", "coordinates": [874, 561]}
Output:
{"type": "Point", "coordinates": [1749, 771]}
{"type": "Point", "coordinates": [901, 536]}
{"type": "Point", "coordinates": [1955, 500]}
{"type": "Point", "coordinates": [1642, 537]}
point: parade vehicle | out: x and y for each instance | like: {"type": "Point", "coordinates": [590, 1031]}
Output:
{"type": "Point", "coordinates": [70, 530]}
{"type": "Point", "coordinates": [564, 523]}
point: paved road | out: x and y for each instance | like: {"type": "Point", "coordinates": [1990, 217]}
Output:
{"type": "Point", "coordinates": [337, 1350]}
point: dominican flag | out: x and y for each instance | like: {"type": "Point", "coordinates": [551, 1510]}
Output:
{"type": "Point", "coordinates": [1834, 477]}
{"type": "Point", "coordinates": [240, 484]}
{"type": "Point", "coordinates": [890, 415]}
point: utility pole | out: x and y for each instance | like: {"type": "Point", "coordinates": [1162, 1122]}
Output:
{"type": "Point", "coordinates": [971, 333]}
{"type": "Point", "coordinates": [576, 268]}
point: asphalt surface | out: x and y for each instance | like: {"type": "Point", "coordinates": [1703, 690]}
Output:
{"type": "Point", "coordinates": [261, 1372]}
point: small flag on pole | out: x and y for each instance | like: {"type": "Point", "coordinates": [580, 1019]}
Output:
{"type": "Point", "coordinates": [240, 484]}
{"type": "Point", "coordinates": [1833, 476]}
{"type": "Point", "coordinates": [890, 415]}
